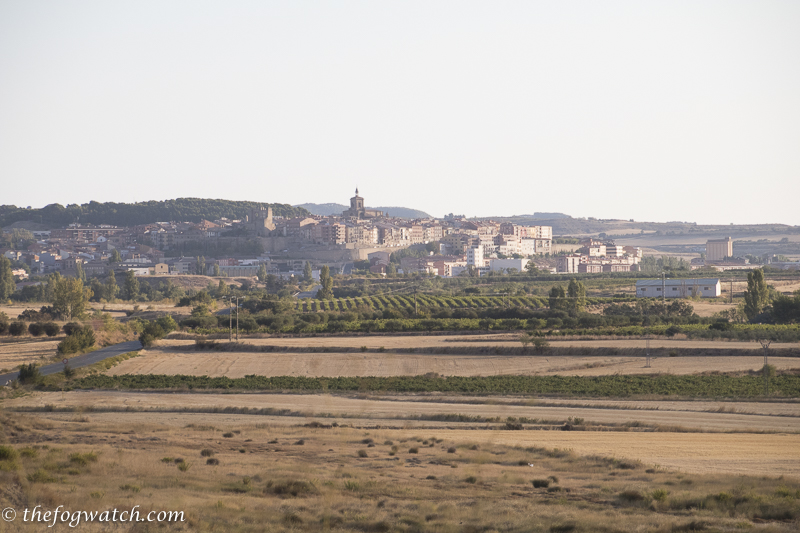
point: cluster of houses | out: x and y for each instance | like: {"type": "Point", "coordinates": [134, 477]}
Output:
{"type": "Point", "coordinates": [156, 248]}
{"type": "Point", "coordinates": [600, 256]}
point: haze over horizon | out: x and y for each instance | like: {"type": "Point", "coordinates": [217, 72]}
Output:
{"type": "Point", "coordinates": [656, 112]}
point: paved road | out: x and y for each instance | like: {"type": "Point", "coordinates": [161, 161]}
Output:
{"type": "Point", "coordinates": [310, 294]}
{"type": "Point", "coordinates": [81, 360]}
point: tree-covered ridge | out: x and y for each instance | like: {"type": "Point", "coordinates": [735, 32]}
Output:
{"type": "Point", "coordinates": [123, 214]}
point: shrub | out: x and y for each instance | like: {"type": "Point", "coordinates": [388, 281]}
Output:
{"type": "Point", "coordinates": [672, 331]}
{"type": "Point", "coordinates": [7, 453]}
{"type": "Point", "coordinates": [631, 496]}
{"type": "Point", "coordinates": [183, 467]}
{"type": "Point", "coordinates": [660, 495]}
{"type": "Point", "coordinates": [413, 450]}
{"type": "Point", "coordinates": [51, 329]}
{"type": "Point", "coordinates": [152, 332]}
{"type": "Point", "coordinates": [471, 479]}
{"type": "Point", "coordinates": [70, 327]}
{"type": "Point", "coordinates": [167, 324]}
{"type": "Point", "coordinates": [36, 329]}
{"type": "Point", "coordinates": [132, 488]}
{"type": "Point", "coordinates": [362, 453]}
{"type": "Point", "coordinates": [451, 449]}
{"type": "Point", "coordinates": [228, 435]}
{"type": "Point", "coordinates": [16, 328]}
{"type": "Point", "coordinates": [205, 452]}
{"type": "Point", "coordinates": [77, 340]}
{"type": "Point", "coordinates": [212, 461]}
{"type": "Point", "coordinates": [29, 373]}
{"type": "Point", "coordinates": [82, 459]}
{"type": "Point", "coordinates": [28, 452]}
{"type": "Point", "coordinates": [540, 483]}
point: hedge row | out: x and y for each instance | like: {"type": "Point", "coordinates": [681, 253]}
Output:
{"type": "Point", "coordinates": [714, 386]}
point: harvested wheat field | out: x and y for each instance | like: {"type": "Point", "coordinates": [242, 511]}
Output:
{"type": "Point", "coordinates": [393, 342]}
{"type": "Point", "coordinates": [395, 410]}
{"type": "Point", "coordinates": [242, 474]}
{"type": "Point", "coordinates": [22, 351]}
{"type": "Point", "coordinates": [238, 364]}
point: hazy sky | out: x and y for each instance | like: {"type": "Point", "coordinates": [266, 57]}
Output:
{"type": "Point", "coordinates": [646, 110]}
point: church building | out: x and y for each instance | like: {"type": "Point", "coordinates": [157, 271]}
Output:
{"type": "Point", "coordinates": [358, 211]}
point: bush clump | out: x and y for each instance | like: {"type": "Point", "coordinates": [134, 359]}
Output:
{"type": "Point", "coordinates": [7, 453]}
{"type": "Point", "coordinates": [51, 329]}
{"type": "Point", "coordinates": [29, 373]}
{"type": "Point", "coordinates": [540, 483]}
{"type": "Point", "coordinates": [17, 328]}
{"type": "Point", "coordinates": [78, 339]}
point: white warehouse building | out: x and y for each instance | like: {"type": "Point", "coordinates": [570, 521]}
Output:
{"type": "Point", "coordinates": [678, 288]}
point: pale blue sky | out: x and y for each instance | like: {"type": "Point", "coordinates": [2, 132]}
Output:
{"type": "Point", "coordinates": [646, 110]}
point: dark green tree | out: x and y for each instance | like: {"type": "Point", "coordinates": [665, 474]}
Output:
{"type": "Point", "coordinates": [557, 298]}
{"type": "Point", "coordinates": [576, 291]}
{"type": "Point", "coordinates": [785, 309]}
{"type": "Point", "coordinates": [200, 266]}
{"type": "Point", "coordinates": [217, 272]}
{"type": "Point", "coordinates": [307, 272]}
{"type": "Point", "coordinates": [222, 289]}
{"type": "Point", "coordinates": [756, 297]}
{"type": "Point", "coordinates": [131, 286]}
{"type": "Point", "coordinates": [326, 291]}
{"type": "Point", "coordinates": [7, 284]}
{"type": "Point", "coordinates": [115, 257]}
{"type": "Point", "coordinates": [69, 297]}
{"type": "Point", "coordinates": [98, 290]}
{"type": "Point", "coordinates": [262, 272]}
{"type": "Point", "coordinates": [79, 273]}
{"type": "Point", "coordinates": [110, 288]}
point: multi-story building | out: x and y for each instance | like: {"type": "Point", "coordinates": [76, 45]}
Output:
{"type": "Point", "coordinates": [719, 249]}
{"type": "Point", "coordinates": [84, 234]}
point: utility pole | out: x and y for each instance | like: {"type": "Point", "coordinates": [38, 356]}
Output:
{"type": "Point", "coordinates": [230, 319]}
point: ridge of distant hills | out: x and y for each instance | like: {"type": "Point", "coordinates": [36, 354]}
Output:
{"type": "Point", "coordinates": [124, 214]}
{"type": "Point", "coordinates": [325, 210]}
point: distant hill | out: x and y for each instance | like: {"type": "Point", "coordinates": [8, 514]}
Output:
{"type": "Point", "coordinates": [546, 216]}
{"type": "Point", "coordinates": [402, 212]}
{"type": "Point", "coordinates": [122, 214]}
{"type": "Point", "coordinates": [325, 210]}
